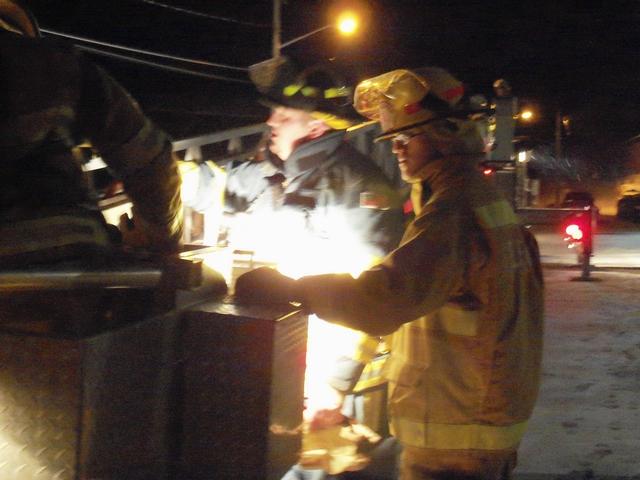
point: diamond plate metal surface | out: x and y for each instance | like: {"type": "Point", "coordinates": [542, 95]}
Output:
{"type": "Point", "coordinates": [87, 408]}
{"type": "Point", "coordinates": [39, 407]}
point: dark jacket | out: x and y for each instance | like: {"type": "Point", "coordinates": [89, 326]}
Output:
{"type": "Point", "coordinates": [52, 100]}
{"type": "Point", "coordinates": [334, 210]}
{"type": "Point", "coordinates": [327, 190]}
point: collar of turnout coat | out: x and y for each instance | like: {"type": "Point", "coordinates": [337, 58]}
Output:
{"type": "Point", "coordinates": [311, 155]}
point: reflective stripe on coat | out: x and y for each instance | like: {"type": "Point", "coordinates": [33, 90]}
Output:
{"type": "Point", "coordinates": [462, 299]}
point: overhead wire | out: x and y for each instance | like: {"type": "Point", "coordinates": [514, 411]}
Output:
{"type": "Point", "coordinates": [205, 15]}
{"type": "Point", "coordinates": [144, 52]}
{"type": "Point", "coordinates": [99, 51]}
{"type": "Point", "coordinates": [160, 65]}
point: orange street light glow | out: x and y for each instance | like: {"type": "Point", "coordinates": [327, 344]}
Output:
{"type": "Point", "coordinates": [526, 115]}
{"type": "Point", "coordinates": [347, 23]}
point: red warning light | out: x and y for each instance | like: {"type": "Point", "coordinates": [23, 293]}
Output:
{"type": "Point", "coordinates": [574, 231]}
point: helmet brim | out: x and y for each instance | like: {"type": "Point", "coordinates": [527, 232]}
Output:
{"type": "Point", "coordinates": [388, 135]}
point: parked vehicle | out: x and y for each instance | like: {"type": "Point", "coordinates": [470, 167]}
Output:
{"type": "Point", "coordinates": [629, 207]}
{"type": "Point", "coordinates": [578, 200]}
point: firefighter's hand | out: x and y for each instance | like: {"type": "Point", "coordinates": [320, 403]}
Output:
{"type": "Point", "coordinates": [264, 285]}
{"type": "Point", "coordinates": [132, 236]}
{"type": "Point", "coordinates": [327, 418]}
{"type": "Point", "coordinates": [323, 408]}
{"type": "Point", "coordinates": [138, 234]}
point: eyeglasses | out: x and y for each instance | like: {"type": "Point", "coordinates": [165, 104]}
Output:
{"type": "Point", "coordinates": [402, 140]}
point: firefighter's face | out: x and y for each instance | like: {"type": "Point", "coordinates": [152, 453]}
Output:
{"type": "Point", "coordinates": [414, 151]}
{"type": "Point", "coordinates": [289, 128]}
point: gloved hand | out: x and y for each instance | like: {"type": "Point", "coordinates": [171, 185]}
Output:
{"type": "Point", "coordinates": [132, 236]}
{"type": "Point", "coordinates": [264, 285]}
{"type": "Point", "coordinates": [139, 235]}
{"type": "Point", "coordinates": [338, 448]}
{"type": "Point", "coordinates": [323, 407]}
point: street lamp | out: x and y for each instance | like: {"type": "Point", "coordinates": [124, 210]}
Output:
{"type": "Point", "coordinates": [346, 24]}
{"type": "Point", "coordinates": [526, 115]}
{"type": "Point", "coordinates": [263, 74]}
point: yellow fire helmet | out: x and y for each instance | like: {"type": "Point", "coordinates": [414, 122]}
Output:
{"type": "Point", "coordinates": [405, 99]}
{"type": "Point", "coordinates": [17, 18]}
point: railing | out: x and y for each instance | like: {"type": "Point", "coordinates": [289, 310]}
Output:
{"type": "Point", "coordinates": [234, 142]}
{"type": "Point", "coordinates": [241, 144]}
{"type": "Point", "coordinates": [238, 144]}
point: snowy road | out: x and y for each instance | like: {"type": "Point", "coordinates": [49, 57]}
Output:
{"type": "Point", "coordinates": [615, 245]}
{"type": "Point", "coordinates": [587, 419]}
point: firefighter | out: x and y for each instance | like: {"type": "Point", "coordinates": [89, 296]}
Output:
{"type": "Point", "coordinates": [311, 174]}
{"type": "Point", "coordinates": [461, 297]}
{"type": "Point", "coordinates": [311, 193]}
{"type": "Point", "coordinates": [53, 100]}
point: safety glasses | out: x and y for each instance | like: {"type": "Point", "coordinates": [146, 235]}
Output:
{"type": "Point", "coordinates": [402, 139]}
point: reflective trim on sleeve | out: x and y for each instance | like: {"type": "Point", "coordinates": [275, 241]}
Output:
{"type": "Point", "coordinates": [458, 321]}
{"type": "Point", "coordinates": [50, 232]}
{"type": "Point", "coordinates": [372, 374]}
{"type": "Point", "coordinates": [496, 214]}
{"type": "Point", "coordinates": [416, 197]}
{"type": "Point", "coordinates": [458, 437]}
{"type": "Point", "coordinates": [366, 349]}
{"type": "Point", "coordinates": [141, 149]}
{"type": "Point", "coordinates": [27, 129]}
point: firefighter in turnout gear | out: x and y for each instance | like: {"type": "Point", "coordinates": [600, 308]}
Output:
{"type": "Point", "coordinates": [54, 100]}
{"type": "Point", "coordinates": [310, 174]}
{"type": "Point", "coordinates": [460, 298]}
{"type": "Point", "coordinates": [327, 208]}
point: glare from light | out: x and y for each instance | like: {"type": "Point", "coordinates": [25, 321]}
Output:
{"type": "Point", "coordinates": [347, 23]}
{"type": "Point", "coordinates": [189, 191]}
{"type": "Point", "coordinates": [522, 156]}
{"type": "Point", "coordinates": [574, 231]}
{"type": "Point", "coordinates": [16, 454]}
{"type": "Point", "coordinates": [189, 175]}
{"type": "Point", "coordinates": [526, 115]}
{"type": "Point", "coordinates": [282, 240]}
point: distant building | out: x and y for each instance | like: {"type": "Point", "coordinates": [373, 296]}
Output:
{"type": "Point", "coordinates": [632, 181]}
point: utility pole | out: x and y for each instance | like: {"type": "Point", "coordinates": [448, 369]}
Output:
{"type": "Point", "coordinates": [558, 149]}
{"type": "Point", "coordinates": [277, 28]}
{"type": "Point", "coordinates": [505, 108]}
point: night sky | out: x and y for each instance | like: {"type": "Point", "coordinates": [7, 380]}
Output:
{"type": "Point", "coordinates": [577, 57]}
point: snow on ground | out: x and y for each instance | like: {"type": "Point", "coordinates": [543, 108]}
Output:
{"type": "Point", "coordinates": [587, 419]}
